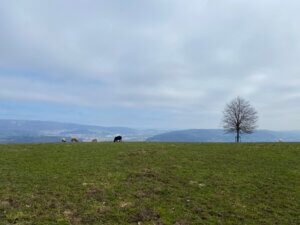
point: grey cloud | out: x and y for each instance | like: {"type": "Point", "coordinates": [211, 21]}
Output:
{"type": "Point", "coordinates": [182, 57]}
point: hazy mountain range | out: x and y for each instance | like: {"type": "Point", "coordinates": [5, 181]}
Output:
{"type": "Point", "coordinates": [218, 135]}
{"type": "Point", "coordinates": [24, 131]}
{"type": "Point", "coordinates": [16, 131]}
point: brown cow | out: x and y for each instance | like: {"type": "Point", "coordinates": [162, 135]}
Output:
{"type": "Point", "coordinates": [74, 140]}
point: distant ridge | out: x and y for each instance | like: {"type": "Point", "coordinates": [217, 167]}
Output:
{"type": "Point", "coordinates": [26, 131]}
{"type": "Point", "coordinates": [29, 131]}
{"type": "Point", "coordinates": [218, 135]}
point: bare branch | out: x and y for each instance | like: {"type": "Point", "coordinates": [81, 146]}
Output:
{"type": "Point", "coordinates": [239, 117]}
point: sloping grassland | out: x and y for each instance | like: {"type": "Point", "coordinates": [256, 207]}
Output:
{"type": "Point", "coordinates": [150, 183]}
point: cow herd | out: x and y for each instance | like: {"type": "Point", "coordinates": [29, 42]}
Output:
{"type": "Point", "coordinates": [116, 139]}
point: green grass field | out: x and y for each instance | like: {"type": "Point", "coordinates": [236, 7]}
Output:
{"type": "Point", "coordinates": [150, 183]}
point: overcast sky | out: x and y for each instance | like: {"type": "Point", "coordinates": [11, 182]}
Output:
{"type": "Point", "coordinates": [149, 63]}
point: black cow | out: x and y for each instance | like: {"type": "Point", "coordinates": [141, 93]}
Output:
{"type": "Point", "coordinates": [118, 139]}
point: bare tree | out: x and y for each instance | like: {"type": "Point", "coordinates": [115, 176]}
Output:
{"type": "Point", "coordinates": [239, 117]}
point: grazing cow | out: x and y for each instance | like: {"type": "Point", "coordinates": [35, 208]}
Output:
{"type": "Point", "coordinates": [95, 140]}
{"type": "Point", "coordinates": [118, 139]}
{"type": "Point", "coordinates": [63, 140]}
{"type": "Point", "coordinates": [74, 140]}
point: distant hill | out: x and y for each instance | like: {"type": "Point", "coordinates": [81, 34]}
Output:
{"type": "Point", "coordinates": [23, 131]}
{"type": "Point", "coordinates": [218, 135]}
{"type": "Point", "coordinates": [26, 131]}
{"type": "Point", "coordinates": [29, 139]}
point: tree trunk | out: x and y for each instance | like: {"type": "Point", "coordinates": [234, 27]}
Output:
{"type": "Point", "coordinates": [238, 136]}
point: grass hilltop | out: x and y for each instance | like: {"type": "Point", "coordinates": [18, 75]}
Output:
{"type": "Point", "coordinates": [149, 183]}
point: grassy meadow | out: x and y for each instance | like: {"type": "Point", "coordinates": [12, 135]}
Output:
{"type": "Point", "coordinates": [150, 183]}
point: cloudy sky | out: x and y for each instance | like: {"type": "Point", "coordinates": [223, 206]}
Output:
{"type": "Point", "coordinates": [149, 63]}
